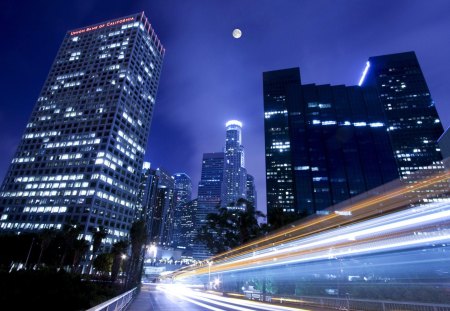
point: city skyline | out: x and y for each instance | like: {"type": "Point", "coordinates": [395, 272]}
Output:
{"type": "Point", "coordinates": [339, 53]}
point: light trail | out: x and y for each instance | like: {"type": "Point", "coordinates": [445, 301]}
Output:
{"type": "Point", "coordinates": [412, 228]}
{"type": "Point", "coordinates": [388, 202]}
{"type": "Point", "coordinates": [205, 300]}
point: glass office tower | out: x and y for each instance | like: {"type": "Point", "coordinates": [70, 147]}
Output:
{"type": "Point", "coordinates": [82, 151]}
{"type": "Point", "coordinates": [182, 195]}
{"type": "Point", "coordinates": [209, 194]}
{"type": "Point", "coordinates": [234, 173]}
{"type": "Point", "coordinates": [324, 144]}
{"type": "Point", "coordinates": [413, 123]}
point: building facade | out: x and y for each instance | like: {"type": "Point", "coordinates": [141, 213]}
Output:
{"type": "Point", "coordinates": [82, 151]}
{"type": "Point", "coordinates": [413, 123]}
{"type": "Point", "coordinates": [209, 194]}
{"type": "Point", "coordinates": [325, 144]}
{"type": "Point", "coordinates": [182, 195]}
{"type": "Point", "coordinates": [234, 184]}
{"type": "Point", "coordinates": [251, 190]}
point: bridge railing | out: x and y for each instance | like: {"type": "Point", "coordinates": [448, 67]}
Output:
{"type": "Point", "coordinates": [117, 303]}
{"type": "Point", "coordinates": [358, 304]}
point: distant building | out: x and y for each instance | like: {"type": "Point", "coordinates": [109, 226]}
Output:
{"type": "Point", "coordinates": [251, 190]}
{"type": "Point", "coordinates": [147, 197]}
{"type": "Point", "coordinates": [182, 195]}
{"type": "Point", "coordinates": [81, 154]}
{"type": "Point", "coordinates": [234, 173]}
{"type": "Point", "coordinates": [325, 144]}
{"type": "Point", "coordinates": [187, 232]}
{"type": "Point", "coordinates": [163, 212]}
{"type": "Point", "coordinates": [209, 194]}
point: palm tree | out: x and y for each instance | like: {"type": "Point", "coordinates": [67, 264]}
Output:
{"type": "Point", "coordinates": [138, 238]}
{"type": "Point", "coordinates": [248, 221]}
{"type": "Point", "coordinates": [228, 228]}
{"type": "Point", "coordinates": [70, 233]}
{"type": "Point", "coordinates": [46, 236]}
{"type": "Point", "coordinates": [80, 248]}
{"type": "Point", "coordinates": [98, 234]}
{"type": "Point", "coordinates": [118, 250]}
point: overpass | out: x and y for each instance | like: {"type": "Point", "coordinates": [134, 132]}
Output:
{"type": "Point", "coordinates": [385, 250]}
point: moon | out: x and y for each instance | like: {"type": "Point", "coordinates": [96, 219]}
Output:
{"type": "Point", "coordinates": [237, 33]}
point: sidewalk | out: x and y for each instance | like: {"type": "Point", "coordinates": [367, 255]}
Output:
{"type": "Point", "coordinates": [143, 301]}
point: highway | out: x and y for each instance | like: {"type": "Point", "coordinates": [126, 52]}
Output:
{"type": "Point", "coordinates": [168, 297]}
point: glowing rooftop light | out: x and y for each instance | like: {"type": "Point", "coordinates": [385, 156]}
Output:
{"type": "Point", "coordinates": [364, 74]}
{"type": "Point", "coordinates": [233, 122]}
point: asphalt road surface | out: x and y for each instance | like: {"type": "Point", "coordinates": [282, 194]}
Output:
{"type": "Point", "coordinates": [177, 298]}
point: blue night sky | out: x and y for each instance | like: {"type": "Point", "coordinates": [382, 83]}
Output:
{"type": "Point", "coordinates": [208, 76]}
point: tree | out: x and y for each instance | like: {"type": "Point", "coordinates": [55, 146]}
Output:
{"type": "Point", "coordinates": [138, 238]}
{"type": "Point", "coordinates": [98, 234]}
{"type": "Point", "coordinates": [80, 248]}
{"type": "Point", "coordinates": [70, 233]}
{"type": "Point", "coordinates": [45, 237]}
{"type": "Point", "coordinates": [118, 250]}
{"type": "Point", "coordinates": [103, 262]}
{"type": "Point", "coordinates": [231, 227]}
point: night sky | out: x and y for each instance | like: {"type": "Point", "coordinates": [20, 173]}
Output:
{"type": "Point", "coordinates": [209, 77]}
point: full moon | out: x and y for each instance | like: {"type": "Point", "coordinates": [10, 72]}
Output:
{"type": "Point", "coordinates": [237, 33]}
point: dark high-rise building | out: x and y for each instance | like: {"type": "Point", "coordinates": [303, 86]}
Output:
{"type": "Point", "coordinates": [209, 193]}
{"type": "Point", "coordinates": [187, 225]}
{"type": "Point", "coordinates": [280, 184]}
{"type": "Point", "coordinates": [234, 172]}
{"type": "Point", "coordinates": [163, 211]}
{"type": "Point", "coordinates": [325, 144]}
{"type": "Point", "coordinates": [182, 195]}
{"type": "Point", "coordinates": [82, 151]}
{"type": "Point", "coordinates": [413, 123]}
{"type": "Point", "coordinates": [251, 190]}
{"type": "Point", "coordinates": [147, 196]}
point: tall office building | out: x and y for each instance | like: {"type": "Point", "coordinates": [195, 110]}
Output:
{"type": "Point", "coordinates": [234, 174]}
{"type": "Point", "coordinates": [209, 194]}
{"type": "Point", "coordinates": [82, 151]}
{"type": "Point", "coordinates": [147, 197]}
{"type": "Point", "coordinates": [182, 195]}
{"type": "Point", "coordinates": [187, 232]}
{"type": "Point", "coordinates": [413, 123]}
{"type": "Point", "coordinates": [163, 211]}
{"type": "Point", "coordinates": [325, 144]}
{"type": "Point", "coordinates": [279, 172]}
{"type": "Point", "coordinates": [251, 190]}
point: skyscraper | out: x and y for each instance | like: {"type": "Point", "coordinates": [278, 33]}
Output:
{"type": "Point", "coordinates": [234, 173]}
{"type": "Point", "coordinates": [279, 172]}
{"type": "Point", "coordinates": [413, 123]}
{"type": "Point", "coordinates": [147, 197]}
{"type": "Point", "coordinates": [182, 195]}
{"type": "Point", "coordinates": [80, 157]}
{"type": "Point", "coordinates": [325, 144]}
{"type": "Point", "coordinates": [251, 190]}
{"type": "Point", "coordinates": [187, 232]}
{"type": "Point", "coordinates": [209, 193]}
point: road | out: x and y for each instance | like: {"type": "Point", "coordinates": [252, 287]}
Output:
{"type": "Point", "coordinates": [178, 298]}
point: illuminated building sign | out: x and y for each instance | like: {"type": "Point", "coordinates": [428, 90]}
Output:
{"type": "Point", "coordinates": [100, 26]}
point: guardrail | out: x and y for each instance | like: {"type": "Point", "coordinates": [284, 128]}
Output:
{"type": "Point", "coordinates": [354, 304]}
{"type": "Point", "coordinates": [118, 303]}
